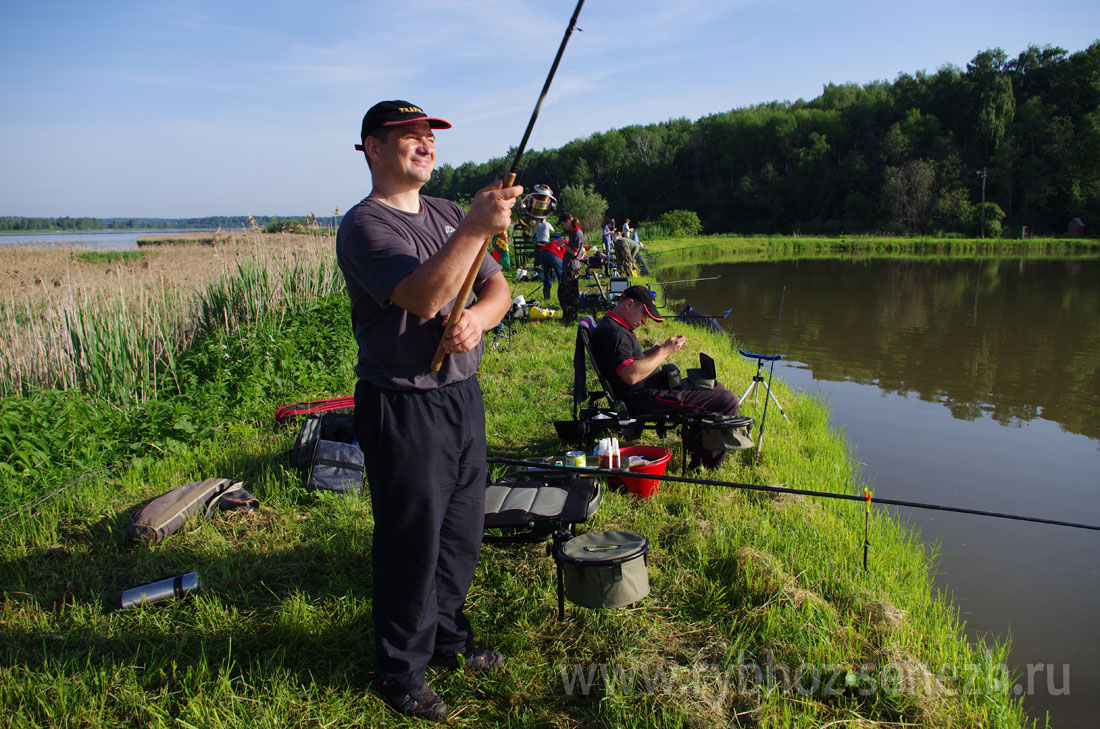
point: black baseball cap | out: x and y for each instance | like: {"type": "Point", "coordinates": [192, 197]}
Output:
{"type": "Point", "coordinates": [396, 113]}
{"type": "Point", "coordinates": [643, 296]}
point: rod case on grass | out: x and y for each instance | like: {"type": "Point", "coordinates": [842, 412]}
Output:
{"type": "Point", "coordinates": [164, 515]}
{"type": "Point", "coordinates": [328, 455]}
{"type": "Point", "coordinates": [604, 569]}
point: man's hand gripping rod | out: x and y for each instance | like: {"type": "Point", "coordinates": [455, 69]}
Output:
{"type": "Point", "coordinates": [509, 180]}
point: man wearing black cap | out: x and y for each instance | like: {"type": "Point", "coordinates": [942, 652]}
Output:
{"type": "Point", "coordinates": [636, 376]}
{"type": "Point", "coordinates": [404, 257]}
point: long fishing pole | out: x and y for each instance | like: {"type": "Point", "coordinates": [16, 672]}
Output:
{"type": "Point", "coordinates": [771, 371]}
{"type": "Point", "coordinates": [509, 180]}
{"type": "Point", "coordinates": [686, 280]}
{"type": "Point", "coordinates": [542, 466]}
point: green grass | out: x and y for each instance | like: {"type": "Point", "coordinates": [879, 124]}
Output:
{"type": "Point", "coordinates": [110, 256]}
{"type": "Point", "coordinates": [723, 248]}
{"type": "Point", "coordinates": [280, 633]}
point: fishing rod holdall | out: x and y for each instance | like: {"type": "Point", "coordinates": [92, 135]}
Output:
{"type": "Point", "coordinates": [164, 515]}
{"type": "Point", "coordinates": [604, 569]}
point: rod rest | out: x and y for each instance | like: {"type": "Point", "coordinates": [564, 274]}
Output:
{"type": "Point", "coordinates": [765, 357]}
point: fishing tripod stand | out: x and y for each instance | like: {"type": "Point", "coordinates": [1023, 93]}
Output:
{"type": "Point", "coordinates": [758, 378]}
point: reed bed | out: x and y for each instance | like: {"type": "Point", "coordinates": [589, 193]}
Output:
{"type": "Point", "coordinates": [113, 323]}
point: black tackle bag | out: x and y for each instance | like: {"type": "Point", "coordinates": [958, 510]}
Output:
{"type": "Point", "coordinates": [328, 455]}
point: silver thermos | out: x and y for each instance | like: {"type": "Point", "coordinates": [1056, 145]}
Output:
{"type": "Point", "coordinates": [177, 586]}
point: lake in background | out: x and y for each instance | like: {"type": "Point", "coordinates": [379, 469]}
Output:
{"type": "Point", "coordinates": [965, 383]}
{"type": "Point", "coordinates": [107, 239]}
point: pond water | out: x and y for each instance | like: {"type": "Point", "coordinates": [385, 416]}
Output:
{"type": "Point", "coordinates": [103, 239]}
{"type": "Point", "coordinates": [967, 383]}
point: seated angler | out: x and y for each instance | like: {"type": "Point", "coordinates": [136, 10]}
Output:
{"type": "Point", "coordinates": [638, 380]}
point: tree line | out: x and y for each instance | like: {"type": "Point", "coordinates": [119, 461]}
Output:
{"type": "Point", "coordinates": [907, 157]}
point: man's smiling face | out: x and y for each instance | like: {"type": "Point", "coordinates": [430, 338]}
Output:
{"type": "Point", "coordinates": [408, 152]}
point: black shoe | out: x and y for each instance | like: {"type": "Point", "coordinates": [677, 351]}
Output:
{"type": "Point", "coordinates": [419, 701]}
{"type": "Point", "coordinates": [475, 661]}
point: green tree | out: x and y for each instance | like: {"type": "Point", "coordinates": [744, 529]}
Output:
{"type": "Point", "coordinates": [680, 222]}
{"type": "Point", "coordinates": [994, 221]}
{"type": "Point", "coordinates": [909, 194]}
{"type": "Point", "coordinates": [584, 204]}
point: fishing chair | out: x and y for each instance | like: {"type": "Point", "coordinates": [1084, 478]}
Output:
{"type": "Point", "coordinates": [592, 418]}
{"type": "Point", "coordinates": [531, 506]}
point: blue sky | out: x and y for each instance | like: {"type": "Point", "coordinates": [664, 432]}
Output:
{"type": "Point", "coordinates": [192, 108]}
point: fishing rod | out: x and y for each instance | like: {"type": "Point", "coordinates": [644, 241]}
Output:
{"type": "Point", "coordinates": [771, 371]}
{"type": "Point", "coordinates": [685, 280]}
{"type": "Point", "coordinates": [509, 180]}
{"type": "Point", "coordinates": [865, 497]}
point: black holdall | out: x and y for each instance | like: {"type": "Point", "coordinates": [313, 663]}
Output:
{"type": "Point", "coordinates": [328, 455]}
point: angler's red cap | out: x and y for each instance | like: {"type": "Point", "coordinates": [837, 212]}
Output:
{"type": "Point", "coordinates": [396, 113]}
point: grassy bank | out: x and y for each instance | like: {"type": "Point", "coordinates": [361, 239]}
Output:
{"type": "Point", "coordinates": [725, 248]}
{"type": "Point", "coordinates": [747, 589]}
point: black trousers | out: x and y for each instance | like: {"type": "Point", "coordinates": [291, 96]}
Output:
{"type": "Point", "coordinates": [569, 294]}
{"type": "Point", "coordinates": [425, 463]}
{"type": "Point", "coordinates": [719, 401]}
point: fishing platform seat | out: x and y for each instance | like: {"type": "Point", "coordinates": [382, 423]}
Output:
{"type": "Point", "coordinates": [596, 412]}
{"type": "Point", "coordinates": [530, 506]}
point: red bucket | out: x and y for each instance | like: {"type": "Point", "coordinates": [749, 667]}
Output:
{"type": "Point", "coordinates": [644, 488]}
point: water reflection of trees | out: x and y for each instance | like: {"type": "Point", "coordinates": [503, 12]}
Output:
{"type": "Point", "coordinates": [1011, 339]}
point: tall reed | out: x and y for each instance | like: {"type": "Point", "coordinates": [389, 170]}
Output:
{"type": "Point", "coordinates": [122, 344]}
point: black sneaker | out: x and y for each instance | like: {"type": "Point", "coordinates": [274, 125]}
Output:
{"type": "Point", "coordinates": [419, 701]}
{"type": "Point", "coordinates": [477, 660]}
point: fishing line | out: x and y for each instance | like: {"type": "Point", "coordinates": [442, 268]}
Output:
{"type": "Point", "coordinates": [536, 465]}
{"type": "Point", "coordinates": [686, 280]}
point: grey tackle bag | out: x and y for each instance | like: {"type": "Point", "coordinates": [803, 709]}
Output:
{"type": "Point", "coordinates": [327, 454]}
{"type": "Point", "coordinates": [164, 515]}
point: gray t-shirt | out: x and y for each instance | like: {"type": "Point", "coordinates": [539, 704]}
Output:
{"type": "Point", "coordinates": [376, 247]}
